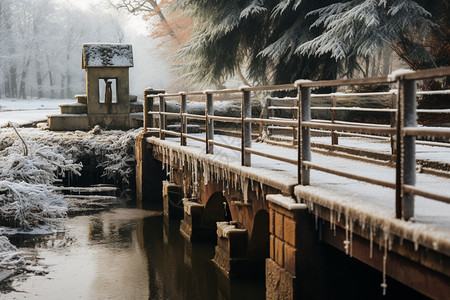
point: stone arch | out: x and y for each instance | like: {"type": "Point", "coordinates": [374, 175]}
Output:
{"type": "Point", "coordinates": [258, 246]}
{"type": "Point", "coordinates": [216, 210]}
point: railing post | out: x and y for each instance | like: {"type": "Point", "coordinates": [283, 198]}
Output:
{"type": "Point", "coordinates": [246, 128]}
{"type": "Point", "coordinates": [409, 145]}
{"type": "Point", "coordinates": [304, 134]}
{"type": "Point", "coordinates": [406, 148]}
{"type": "Point", "coordinates": [145, 110]}
{"type": "Point", "coordinates": [334, 135]}
{"type": "Point", "coordinates": [393, 121]}
{"type": "Point", "coordinates": [162, 118]}
{"type": "Point", "coordinates": [183, 121]}
{"type": "Point", "coordinates": [209, 123]}
{"type": "Point", "coordinates": [294, 130]}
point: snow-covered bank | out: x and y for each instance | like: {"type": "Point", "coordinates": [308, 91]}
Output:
{"type": "Point", "coordinates": [29, 201]}
{"type": "Point", "coordinates": [24, 111]}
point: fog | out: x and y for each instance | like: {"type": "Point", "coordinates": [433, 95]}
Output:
{"type": "Point", "coordinates": [40, 47]}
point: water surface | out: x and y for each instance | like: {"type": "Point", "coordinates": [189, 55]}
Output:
{"type": "Point", "coordinates": [127, 254]}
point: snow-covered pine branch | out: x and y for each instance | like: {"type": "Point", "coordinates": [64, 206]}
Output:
{"type": "Point", "coordinates": [360, 28]}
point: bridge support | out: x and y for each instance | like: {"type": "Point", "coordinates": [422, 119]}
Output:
{"type": "Point", "coordinates": [231, 255]}
{"type": "Point", "coordinates": [192, 226]}
{"type": "Point", "coordinates": [295, 254]}
{"type": "Point", "coordinates": [172, 199]}
{"type": "Point", "coordinates": [149, 175]}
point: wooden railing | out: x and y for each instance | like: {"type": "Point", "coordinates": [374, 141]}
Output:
{"type": "Point", "coordinates": [405, 127]}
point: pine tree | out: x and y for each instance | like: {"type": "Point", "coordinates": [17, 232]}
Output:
{"type": "Point", "coordinates": [280, 41]}
{"type": "Point", "coordinates": [259, 35]}
{"type": "Point", "coordinates": [360, 28]}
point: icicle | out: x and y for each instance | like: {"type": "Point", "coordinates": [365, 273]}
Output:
{"type": "Point", "coordinates": [334, 229]}
{"type": "Point", "coordinates": [316, 218]}
{"type": "Point", "coordinates": [223, 188]}
{"type": "Point", "coordinates": [346, 242]}
{"type": "Point", "coordinates": [371, 241]}
{"type": "Point", "coordinates": [351, 237]}
{"type": "Point", "coordinates": [245, 190]}
{"type": "Point", "coordinates": [205, 173]}
{"type": "Point", "coordinates": [257, 191]}
{"type": "Point", "coordinates": [163, 159]}
{"type": "Point", "coordinates": [384, 284]}
{"type": "Point", "coordinates": [331, 219]}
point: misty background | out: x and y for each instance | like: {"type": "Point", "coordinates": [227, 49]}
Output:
{"type": "Point", "coordinates": [40, 47]}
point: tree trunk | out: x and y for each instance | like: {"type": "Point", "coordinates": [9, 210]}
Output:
{"type": "Point", "coordinates": [39, 81]}
{"type": "Point", "coordinates": [50, 78]}
{"type": "Point", "coordinates": [68, 86]}
{"type": "Point", "coordinates": [22, 93]}
{"type": "Point", "coordinates": [22, 90]}
{"type": "Point", "coordinates": [12, 81]}
{"type": "Point", "coordinates": [62, 87]}
{"type": "Point", "coordinates": [7, 87]}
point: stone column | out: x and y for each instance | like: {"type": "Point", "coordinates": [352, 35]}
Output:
{"type": "Point", "coordinates": [230, 252]}
{"type": "Point", "coordinates": [172, 197]}
{"type": "Point", "coordinates": [191, 227]}
{"type": "Point", "coordinates": [149, 175]}
{"type": "Point", "coordinates": [294, 266]}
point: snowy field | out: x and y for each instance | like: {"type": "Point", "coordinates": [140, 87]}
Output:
{"type": "Point", "coordinates": [25, 111]}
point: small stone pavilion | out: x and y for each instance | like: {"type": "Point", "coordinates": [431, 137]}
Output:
{"type": "Point", "coordinates": [107, 102]}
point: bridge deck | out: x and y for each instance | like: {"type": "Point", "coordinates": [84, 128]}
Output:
{"type": "Point", "coordinates": [367, 204]}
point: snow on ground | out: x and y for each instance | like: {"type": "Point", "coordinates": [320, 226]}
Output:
{"type": "Point", "coordinates": [25, 111]}
{"type": "Point", "coordinates": [364, 203]}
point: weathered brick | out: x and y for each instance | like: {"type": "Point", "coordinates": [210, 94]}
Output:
{"type": "Point", "coordinates": [271, 221]}
{"type": "Point", "coordinates": [289, 231]}
{"type": "Point", "coordinates": [279, 252]}
{"type": "Point", "coordinates": [279, 225]}
{"type": "Point", "coordinates": [279, 283]}
{"type": "Point", "coordinates": [290, 258]}
{"type": "Point", "coordinates": [272, 247]}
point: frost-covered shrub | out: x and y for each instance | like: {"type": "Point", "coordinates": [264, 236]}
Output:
{"type": "Point", "coordinates": [27, 205]}
{"type": "Point", "coordinates": [120, 159]}
{"type": "Point", "coordinates": [27, 195]}
{"type": "Point", "coordinates": [13, 261]}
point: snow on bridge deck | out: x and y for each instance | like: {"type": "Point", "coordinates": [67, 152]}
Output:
{"type": "Point", "coordinates": [367, 204]}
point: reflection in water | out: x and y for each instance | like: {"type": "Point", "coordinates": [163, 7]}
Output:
{"type": "Point", "coordinates": [127, 254]}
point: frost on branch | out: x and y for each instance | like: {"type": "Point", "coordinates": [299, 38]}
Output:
{"type": "Point", "coordinates": [14, 261]}
{"type": "Point", "coordinates": [255, 7]}
{"type": "Point", "coordinates": [120, 158]}
{"type": "Point", "coordinates": [27, 205]}
{"type": "Point", "coordinates": [27, 196]}
{"type": "Point", "coordinates": [362, 27]}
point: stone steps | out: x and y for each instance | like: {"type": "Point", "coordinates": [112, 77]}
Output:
{"type": "Point", "coordinates": [73, 108]}
{"type": "Point", "coordinates": [82, 99]}
{"type": "Point", "coordinates": [66, 122]}
{"type": "Point", "coordinates": [74, 116]}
